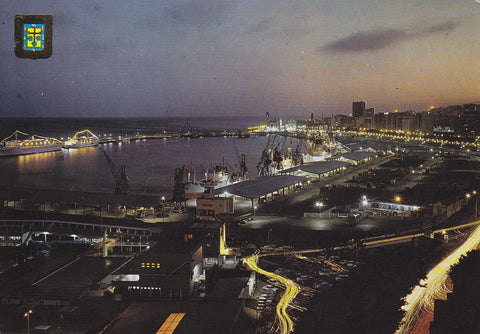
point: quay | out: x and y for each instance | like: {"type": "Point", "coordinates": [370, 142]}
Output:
{"type": "Point", "coordinates": [172, 135]}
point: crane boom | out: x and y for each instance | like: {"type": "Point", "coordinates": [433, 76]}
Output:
{"type": "Point", "coordinates": [119, 175]}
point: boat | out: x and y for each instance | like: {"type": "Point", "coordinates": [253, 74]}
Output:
{"type": "Point", "coordinates": [217, 177]}
{"type": "Point", "coordinates": [84, 138]}
{"type": "Point", "coordinates": [30, 144]}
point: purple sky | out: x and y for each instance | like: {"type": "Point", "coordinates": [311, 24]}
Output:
{"type": "Point", "coordinates": [232, 58]}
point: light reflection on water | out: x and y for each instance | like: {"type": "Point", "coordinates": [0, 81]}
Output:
{"type": "Point", "coordinates": [150, 164]}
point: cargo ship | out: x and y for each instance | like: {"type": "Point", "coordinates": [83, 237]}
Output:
{"type": "Point", "coordinates": [30, 144]}
{"type": "Point", "coordinates": [217, 177]}
{"type": "Point", "coordinates": [84, 138]}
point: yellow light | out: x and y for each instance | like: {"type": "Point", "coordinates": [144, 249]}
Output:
{"type": "Point", "coordinates": [171, 323]}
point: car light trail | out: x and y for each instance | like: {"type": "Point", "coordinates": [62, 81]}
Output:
{"type": "Point", "coordinates": [285, 323]}
{"type": "Point", "coordinates": [422, 297]}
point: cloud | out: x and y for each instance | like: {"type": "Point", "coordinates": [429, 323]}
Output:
{"type": "Point", "coordinates": [441, 27]}
{"type": "Point", "coordinates": [362, 41]}
{"type": "Point", "coordinates": [383, 38]}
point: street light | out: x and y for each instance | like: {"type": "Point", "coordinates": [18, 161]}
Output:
{"type": "Point", "coordinates": [397, 198]}
{"type": "Point", "coordinates": [364, 201]}
{"type": "Point", "coordinates": [474, 192]}
{"type": "Point", "coordinates": [27, 315]}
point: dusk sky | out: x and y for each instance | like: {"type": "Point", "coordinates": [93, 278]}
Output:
{"type": "Point", "coordinates": [232, 58]}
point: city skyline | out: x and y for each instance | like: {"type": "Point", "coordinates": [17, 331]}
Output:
{"type": "Point", "coordinates": [212, 58]}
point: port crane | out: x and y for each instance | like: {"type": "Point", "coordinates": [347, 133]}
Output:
{"type": "Point", "coordinates": [263, 165]}
{"type": "Point", "coordinates": [274, 154]}
{"type": "Point", "coordinates": [119, 175]}
{"type": "Point", "coordinates": [241, 168]}
{"type": "Point", "coordinates": [296, 156]}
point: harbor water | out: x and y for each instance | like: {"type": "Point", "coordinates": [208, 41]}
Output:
{"type": "Point", "coordinates": [150, 164]}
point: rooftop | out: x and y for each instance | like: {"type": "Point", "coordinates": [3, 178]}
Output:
{"type": "Point", "coordinates": [159, 260]}
{"type": "Point", "coordinates": [358, 155]}
{"type": "Point", "coordinates": [318, 167]}
{"type": "Point", "coordinates": [261, 186]}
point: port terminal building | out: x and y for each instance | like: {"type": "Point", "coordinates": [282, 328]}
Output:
{"type": "Point", "coordinates": [391, 209]}
{"type": "Point", "coordinates": [357, 157]}
{"type": "Point", "coordinates": [318, 169]}
{"type": "Point", "coordinates": [264, 188]}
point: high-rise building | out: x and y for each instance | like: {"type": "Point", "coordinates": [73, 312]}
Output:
{"type": "Point", "coordinates": [358, 109]}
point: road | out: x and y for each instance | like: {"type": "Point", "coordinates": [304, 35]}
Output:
{"type": "Point", "coordinates": [290, 201]}
{"type": "Point", "coordinates": [337, 179]}
{"type": "Point", "coordinates": [422, 298]}
{"type": "Point", "coordinates": [285, 323]}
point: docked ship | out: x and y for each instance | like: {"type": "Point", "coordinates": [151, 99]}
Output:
{"type": "Point", "coordinates": [84, 138]}
{"type": "Point", "coordinates": [30, 144]}
{"type": "Point", "coordinates": [277, 156]}
{"type": "Point", "coordinates": [217, 177]}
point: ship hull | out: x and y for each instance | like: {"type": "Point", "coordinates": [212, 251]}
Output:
{"type": "Point", "coordinates": [9, 152]}
{"type": "Point", "coordinates": [193, 190]}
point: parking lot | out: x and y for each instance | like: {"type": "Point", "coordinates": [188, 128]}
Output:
{"type": "Point", "coordinates": [313, 272]}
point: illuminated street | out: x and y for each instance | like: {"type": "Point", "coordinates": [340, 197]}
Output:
{"type": "Point", "coordinates": [422, 297]}
{"type": "Point", "coordinates": [285, 323]}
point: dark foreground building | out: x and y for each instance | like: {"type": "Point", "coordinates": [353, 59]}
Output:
{"type": "Point", "coordinates": [171, 270]}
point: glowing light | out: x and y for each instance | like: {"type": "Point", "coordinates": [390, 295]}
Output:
{"type": "Point", "coordinates": [422, 298]}
{"type": "Point", "coordinates": [285, 323]}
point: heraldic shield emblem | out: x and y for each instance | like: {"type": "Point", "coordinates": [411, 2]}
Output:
{"type": "Point", "coordinates": [33, 36]}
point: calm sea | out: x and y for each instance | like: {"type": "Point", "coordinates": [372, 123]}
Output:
{"type": "Point", "coordinates": [150, 164]}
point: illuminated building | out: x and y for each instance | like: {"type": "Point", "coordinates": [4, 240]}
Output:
{"type": "Point", "coordinates": [209, 206]}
